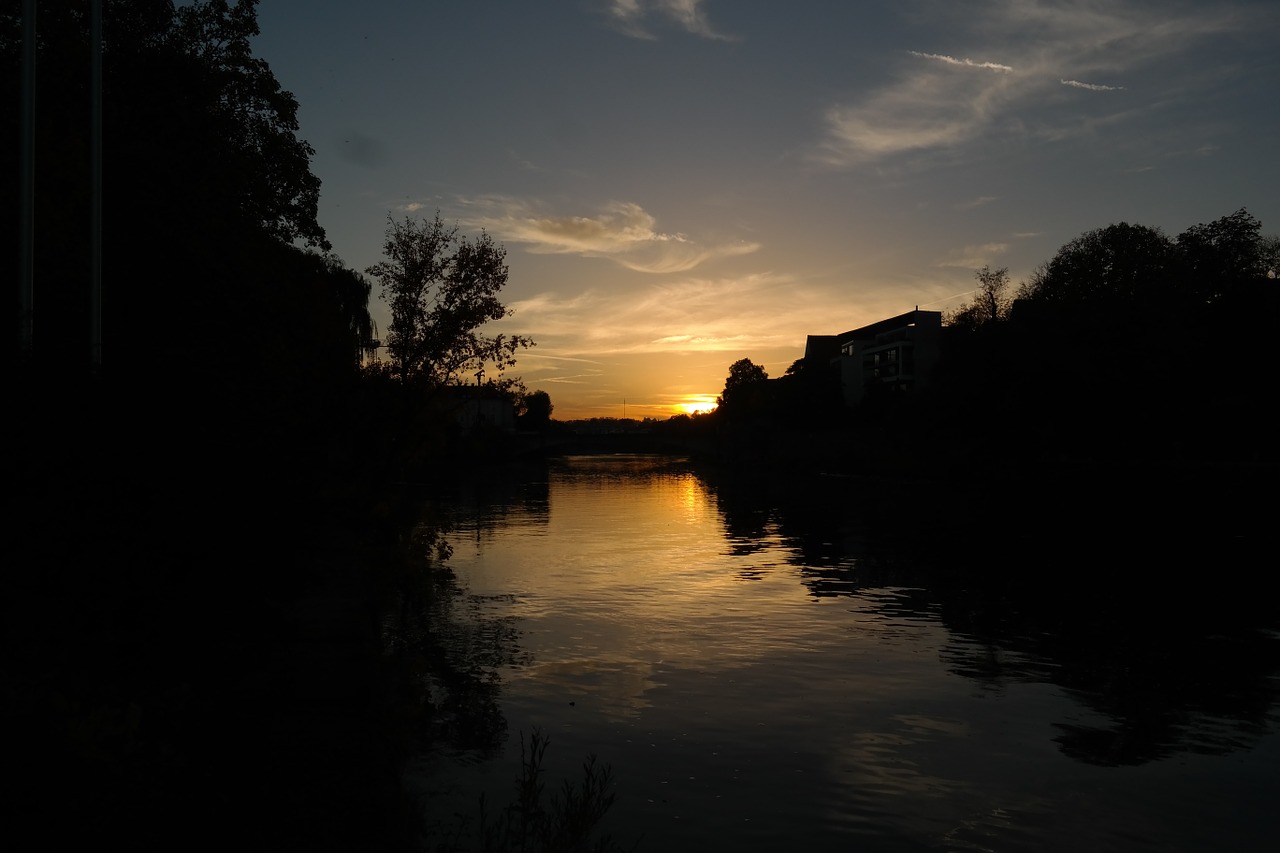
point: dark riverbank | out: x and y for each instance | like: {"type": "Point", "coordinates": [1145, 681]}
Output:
{"type": "Point", "coordinates": [192, 646]}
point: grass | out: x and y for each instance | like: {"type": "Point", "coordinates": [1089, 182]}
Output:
{"type": "Point", "coordinates": [565, 821]}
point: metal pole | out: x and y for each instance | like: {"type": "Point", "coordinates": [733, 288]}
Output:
{"type": "Point", "coordinates": [26, 262]}
{"type": "Point", "coordinates": [95, 217]}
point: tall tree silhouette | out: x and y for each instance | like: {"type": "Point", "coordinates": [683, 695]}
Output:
{"type": "Point", "coordinates": [744, 379]}
{"type": "Point", "coordinates": [442, 289]}
{"type": "Point", "coordinates": [212, 251]}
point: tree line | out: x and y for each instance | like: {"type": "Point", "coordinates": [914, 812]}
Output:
{"type": "Point", "coordinates": [1127, 344]}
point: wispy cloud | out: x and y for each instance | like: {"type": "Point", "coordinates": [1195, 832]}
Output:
{"type": "Point", "coordinates": [623, 233]}
{"type": "Point", "coordinates": [633, 17]}
{"type": "Point", "coordinates": [972, 204]}
{"type": "Point", "coordinates": [744, 313]}
{"type": "Point", "coordinates": [1092, 87]}
{"type": "Point", "coordinates": [951, 60]}
{"type": "Point", "coordinates": [536, 367]}
{"type": "Point", "coordinates": [524, 163]}
{"type": "Point", "coordinates": [937, 102]}
{"type": "Point", "coordinates": [924, 110]}
{"type": "Point", "coordinates": [973, 257]}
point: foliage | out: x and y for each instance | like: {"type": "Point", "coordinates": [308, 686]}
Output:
{"type": "Point", "coordinates": [1269, 253]}
{"type": "Point", "coordinates": [1101, 336]}
{"type": "Point", "coordinates": [535, 409]}
{"type": "Point", "coordinates": [442, 288]}
{"type": "Point", "coordinates": [1123, 267]}
{"type": "Point", "coordinates": [990, 303]}
{"type": "Point", "coordinates": [744, 372]}
{"type": "Point", "coordinates": [743, 375]}
{"type": "Point", "coordinates": [213, 260]}
{"type": "Point", "coordinates": [1118, 263]}
{"type": "Point", "coordinates": [1222, 256]}
{"type": "Point", "coordinates": [568, 823]}
{"type": "Point", "coordinates": [267, 166]}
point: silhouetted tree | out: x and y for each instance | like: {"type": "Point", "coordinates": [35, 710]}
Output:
{"type": "Point", "coordinates": [1119, 263]}
{"type": "Point", "coordinates": [442, 288]}
{"type": "Point", "coordinates": [742, 373]}
{"type": "Point", "coordinates": [536, 409]}
{"type": "Point", "coordinates": [990, 303]}
{"type": "Point", "coordinates": [1269, 249]}
{"type": "Point", "coordinates": [204, 180]}
{"type": "Point", "coordinates": [744, 377]}
{"type": "Point", "coordinates": [266, 164]}
{"type": "Point", "coordinates": [1222, 256]}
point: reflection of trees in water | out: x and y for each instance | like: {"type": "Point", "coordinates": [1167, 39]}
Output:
{"type": "Point", "coordinates": [750, 525]}
{"type": "Point", "coordinates": [1166, 683]}
{"type": "Point", "coordinates": [1171, 671]}
{"type": "Point", "coordinates": [445, 650]}
{"type": "Point", "coordinates": [747, 530]}
{"type": "Point", "coordinates": [817, 524]}
{"type": "Point", "coordinates": [489, 498]}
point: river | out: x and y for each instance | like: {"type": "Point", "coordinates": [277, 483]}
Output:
{"type": "Point", "coordinates": [766, 669]}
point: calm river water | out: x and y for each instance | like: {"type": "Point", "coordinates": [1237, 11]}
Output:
{"type": "Point", "coordinates": [764, 671]}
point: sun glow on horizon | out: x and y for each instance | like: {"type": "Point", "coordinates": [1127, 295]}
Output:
{"type": "Point", "coordinates": [694, 403]}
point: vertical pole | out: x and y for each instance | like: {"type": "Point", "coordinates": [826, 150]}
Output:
{"type": "Point", "coordinates": [27, 251]}
{"type": "Point", "coordinates": [95, 226]}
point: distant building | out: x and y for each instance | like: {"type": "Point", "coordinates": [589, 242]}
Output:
{"type": "Point", "coordinates": [897, 354]}
{"type": "Point", "coordinates": [479, 408]}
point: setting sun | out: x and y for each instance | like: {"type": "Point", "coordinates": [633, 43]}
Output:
{"type": "Point", "coordinates": [694, 403]}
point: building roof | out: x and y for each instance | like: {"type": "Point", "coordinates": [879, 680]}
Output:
{"type": "Point", "coordinates": [879, 327]}
{"type": "Point", "coordinates": [821, 347]}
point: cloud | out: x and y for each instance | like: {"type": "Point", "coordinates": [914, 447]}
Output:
{"type": "Point", "coordinates": [752, 312]}
{"type": "Point", "coordinates": [951, 60]}
{"type": "Point", "coordinates": [630, 16]}
{"type": "Point", "coordinates": [973, 257]}
{"type": "Point", "coordinates": [975, 203]}
{"type": "Point", "coordinates": [411, 207]}
{"type": "Point", "coordinates": [1092, 87]}
{"type": "Point", "coordinates": [946, 105]}
{"type": "Point", "coordinates": [623, 233]}
{"type": "Point", "coordinates": [924, 110]}
{"type": "Point", "coordinates": [535, 365]}
{"type": "Point", "coordinates": [523, 163]}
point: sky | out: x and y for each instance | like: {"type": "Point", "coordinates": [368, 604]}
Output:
{"type": "Point", "coordinates": [680, 184]}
